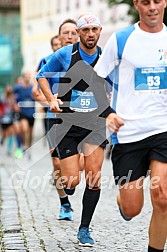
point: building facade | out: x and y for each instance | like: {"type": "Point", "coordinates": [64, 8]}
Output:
{"type": "Point", "coordinates": [10, 46]}
{"type": "Point", "coordinates": [40, 20]}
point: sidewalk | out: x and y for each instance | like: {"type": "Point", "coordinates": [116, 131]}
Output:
{"type": "Point", "coordinates": [30, 206]}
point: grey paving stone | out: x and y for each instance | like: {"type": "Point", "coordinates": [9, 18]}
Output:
{"type": "Point", "coordinates": [15, 246]}
{"type": "Point", "coordinates": [29, 216]}
{"type": "Point", "coordinates": [20, 250]}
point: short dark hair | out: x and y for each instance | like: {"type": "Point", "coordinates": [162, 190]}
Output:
{"type": "Point", "coordinates": [69, 20]}
{"type": "Point", "coordinates": [55, 37]}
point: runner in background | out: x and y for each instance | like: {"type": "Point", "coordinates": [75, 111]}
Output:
{"type": "Point", "coordinates": [26, 103]}
{"type": "Point", "coordinates": [67, 35]}
{"type": "Point", "coordinates": [8, 108]}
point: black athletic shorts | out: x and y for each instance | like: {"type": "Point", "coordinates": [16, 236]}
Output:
{"type": "Point", "coordinates": [131, 161]}
{"type": "Point", "coordinates": [70, 140]}
{"type": "Point", "coordinates": [50, 125]}
{"type": "Point", "coordinates": [5, 126]}
{"type": "Point", "coordinates": [6, 121]}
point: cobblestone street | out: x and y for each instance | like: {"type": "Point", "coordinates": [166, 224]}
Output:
{"type": "Point", "coordinates": [30, 206]}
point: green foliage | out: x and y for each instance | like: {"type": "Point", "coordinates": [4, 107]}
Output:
{"type": "Point", "coordinates": [132, 12]}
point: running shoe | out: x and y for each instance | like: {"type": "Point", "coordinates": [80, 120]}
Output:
{"type": "Point", "coordinates": [65, 212]}
{"type": "Point", "coordinates": [84, 237]}
{"type": "Point", "coordinates": [123, 216]}
{"type": "Point", "coordinates": [18, 153]}
{"type": "Point", "coordinates": [69, 191]}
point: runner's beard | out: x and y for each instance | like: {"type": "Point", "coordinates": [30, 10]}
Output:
{"type": "Point", "coordinates": [87, 45]}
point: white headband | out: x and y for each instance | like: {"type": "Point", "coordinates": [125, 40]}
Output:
{"type": "Point", "coordinates": [87, 20]}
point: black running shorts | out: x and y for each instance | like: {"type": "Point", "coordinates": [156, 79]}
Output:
{"type": "Point", "coordinates": [131, 161]}
{"type": "Point", "coordinates": [51, 124]}
{"type": "Point", "coordinates": [70, 140]}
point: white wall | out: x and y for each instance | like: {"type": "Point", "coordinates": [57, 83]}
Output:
{"type": "Point", "coordinates": [40, 21]}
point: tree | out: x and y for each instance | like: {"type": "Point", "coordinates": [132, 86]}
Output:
{"type": "Point", "coordinates": [132, 12]}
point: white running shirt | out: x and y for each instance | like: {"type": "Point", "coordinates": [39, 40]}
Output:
{"type": "Point", "coordinates": [140, 82]}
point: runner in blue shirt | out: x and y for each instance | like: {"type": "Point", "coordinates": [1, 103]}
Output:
{"type": "Point", "coordinates": [67, 35]}
{"type": "Point", "coordinates": [83, 115]}
{"type": "Point", "coordinates": [26, 103]}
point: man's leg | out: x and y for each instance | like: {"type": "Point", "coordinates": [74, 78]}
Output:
{"type": "Point", "coordinates": [70, 171]}
{"type": "Point", "coordinates": [93, 164]}
{"type": "Point", "coordinates": [24, 127]}
{"type": "Point", "coordinates": [18, 136]}
{"type": "Point", "coordinates": [70, 189]}
{"type": "Point", "coordinates": [130, 199]}
{"type": "Point", "coordinates": [129, 171]}
{"type": "Point", "coordinates": [158, 190]}
{"type": "Point", "coordinates": [65, 209]}
{"type": "Point", "coordinates": [70, 174]}
{"type": "Point", "coordinates": [30, 139]}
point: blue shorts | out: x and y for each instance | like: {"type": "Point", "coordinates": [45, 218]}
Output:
{"type": "Point", "coordinates": [30, 120]}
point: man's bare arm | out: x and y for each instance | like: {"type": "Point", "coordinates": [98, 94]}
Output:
{"type": "Point", "coordinates": [38, 95]}
{"type": "Point", "coordinates": [51, 98]}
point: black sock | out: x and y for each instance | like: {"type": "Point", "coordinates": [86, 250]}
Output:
{"type": "Point", "coordinates": [150, 249]}
{"type": "Point", "coordinates": [64, 200]}
{"type": "Point", "coordinates": [89, 202]}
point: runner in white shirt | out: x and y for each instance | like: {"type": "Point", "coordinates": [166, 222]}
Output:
{"type": "Point", "coordinates": [134, 60]}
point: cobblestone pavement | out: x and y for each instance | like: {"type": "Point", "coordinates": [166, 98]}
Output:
{"type": "Point", "coordinates": [30, 206]}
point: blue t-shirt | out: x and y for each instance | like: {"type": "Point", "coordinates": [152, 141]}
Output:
{"type": "Point", "coordinates": [25, 100]}
{"type": "Point", "coordinates": [43, 61]}
{"type": "Point", "coordinates": [57, 66]}
{"type": "Point", "coordinates": [59, 63]}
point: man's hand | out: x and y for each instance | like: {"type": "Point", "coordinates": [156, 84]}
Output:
{"type": "Point", "coordinates": [54, 104]}
{"type": "Point", "coordinates": [114, 122]}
